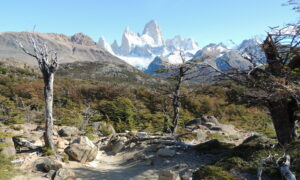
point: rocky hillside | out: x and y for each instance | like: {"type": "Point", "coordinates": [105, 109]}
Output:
{"type": "Point", "coordinates": [78, 47]}
{"type": "Point", "coordinates": [80, 56]}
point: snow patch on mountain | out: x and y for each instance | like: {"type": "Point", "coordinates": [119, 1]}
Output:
{"type": "Point", "coordinates": [104, 45]}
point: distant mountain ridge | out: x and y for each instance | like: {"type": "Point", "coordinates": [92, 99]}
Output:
{"type": "Point", "coordinates": [139, 50]}
{"type": "Point", "coordinates": [146, 51]}
{"type": "Point", "coordinates": [78, 52]}
{"type": "Point", "coordinates": [78, 47]}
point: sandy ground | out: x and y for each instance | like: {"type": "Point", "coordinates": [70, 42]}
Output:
{"type": "Point", "coordinates": [122, 167]}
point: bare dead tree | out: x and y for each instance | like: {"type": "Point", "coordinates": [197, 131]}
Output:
{"type": "Point", "coordinates": [179, 73]}
{"type": "Point", "coordinates": [48, 64]}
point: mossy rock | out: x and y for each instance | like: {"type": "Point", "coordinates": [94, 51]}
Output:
{"type": "Point", "coordinates": [213, 173]}
{"type": "Point", "coordinates": [251, 145]}
{"type": "Point", "coordinates": [233, 163]}
{"type": "Point", "coordinates": [214, 146]}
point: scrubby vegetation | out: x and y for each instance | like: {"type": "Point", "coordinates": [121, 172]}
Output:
{"type": "Point", "coordinates": [6, 167]}
{"type": "Point", "coordinates": [246, 158]}
{"type": "Point", "coordinates": [126, 106]}
{"type": "Point", "coordinates": [129, 106]}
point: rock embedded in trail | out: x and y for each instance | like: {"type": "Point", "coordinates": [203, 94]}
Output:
{"type": "Point", "coordinates": [166, 152]}
{"type": "Point", "coordinates": [64, 174]}
{"type": "Point", "coordinates": [142, 134]}
{"type": "Point", "coordinates": [82, 149]}
{"type": "Point", "coordinates": [168, 175]}
{"type": "Point", "coordinates": [115, 145]}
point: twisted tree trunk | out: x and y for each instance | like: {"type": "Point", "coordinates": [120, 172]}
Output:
{"type": "Point", "coordinates": [283, 117]}
{"type": "Point", "coordinates": [176, 105]}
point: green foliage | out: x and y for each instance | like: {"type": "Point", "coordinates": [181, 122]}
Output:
{"type": "Point", "coordinates": [9, 112]}
{"type": "Point", "coordinates": [217, 136]}
{"type": "Point", "coordinates": [47, 152]}
{"type": "Point", "coordinates": [16, 127]}
{"type": "Point", "coordinates": [68, 117]}
{"type": "Point", "coordinates": [120, 111]}
{"type": "Point", "coordinates": [213, 173]}
{"type": "Point", "coordinates": [65, 158]}
{"type": "Point", "coordinates": [7, 170]}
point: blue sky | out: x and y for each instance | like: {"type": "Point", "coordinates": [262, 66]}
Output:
{"type": "Point", "coordinates": [206, 21]}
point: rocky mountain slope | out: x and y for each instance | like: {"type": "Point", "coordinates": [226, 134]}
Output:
{"type": "Point", "coordinates": [80, 56]}
{"type": "Point", "coordinates": [78, 47]}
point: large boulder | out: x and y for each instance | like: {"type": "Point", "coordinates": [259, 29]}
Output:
{"type": "Point", "coordinates": [68, 131]}
{"type": "Point", "coordinates": [7, 148]}
{"type": "Point", "coordinates": [82, 149]}
{"type": "Point", "coordinates": [64, 174]}
{"type": "Point", "coordinates": [168, 175]}
{"type": "Point", "coordinates": [24, 143]}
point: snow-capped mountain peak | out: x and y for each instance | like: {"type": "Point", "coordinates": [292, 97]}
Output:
{"type": "Point", "coordinates": [140, 49]}
{"type": "Point", "coordinates": [103, 44]}
{"type": "Point", "coordinates": [153, 30]}
{"type": "Point", "coordinates": [178, 43]}
{"type": "Point", "coordinates": [212, 50]}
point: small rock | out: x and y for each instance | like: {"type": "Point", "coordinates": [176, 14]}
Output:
{"type": "Point", "coordinates": [132, 145]}
{"type": "Point", "coordinates": [168, 175]}
{"type": "Point", "coordinates": [61, 143]}
{"type": "Point", "coordinates": [139, 156]}
{"type": "Point", "coordinates": [166, 152]}
{"type": "Point", "coordinates": [187, 175]}
{"type": "Point", "coordinates": [133, 132]}
{"type": "Point", "coordinates": [117, 147]}
{"type": "Point", "coordinates": [141, 134]}
{"type": "Point", "coordinates": [106, 129]}
{"type": "Point", "coordinates": [68, 131]}
{"type": "Point", "coordinates": [50, 174]}
{"type": "Point", "coordinates": [64, 174]}
{"type": "Point", "coordinates": [155, 147]}
{"type": "Point", "coordinates": [123, 138]}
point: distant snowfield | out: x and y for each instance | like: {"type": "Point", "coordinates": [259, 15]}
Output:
{"type": "Point", "coordinates": [141, 63]}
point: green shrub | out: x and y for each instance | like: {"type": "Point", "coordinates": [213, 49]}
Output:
{"type": "Point", "coordinates": [7, 170]}
{"type": "Point", "coordinates": [120, 111]}
{"type": "Point", "coordinates": [213, 173]}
